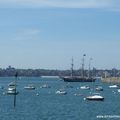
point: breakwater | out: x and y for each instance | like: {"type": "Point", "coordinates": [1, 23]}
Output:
{"type": "Point", "coordinates": [111, 80]}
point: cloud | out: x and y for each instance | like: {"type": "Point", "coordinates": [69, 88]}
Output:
{"type": "Point", "coordinates": [27, 34]}
{"type": "Point", "coordinates": [57, 3]}
{"type": "Point", "coordinates": [113, 5]}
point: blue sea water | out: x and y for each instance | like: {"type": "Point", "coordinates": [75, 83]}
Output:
{"type": "Point", "coordinates": [50, 106]}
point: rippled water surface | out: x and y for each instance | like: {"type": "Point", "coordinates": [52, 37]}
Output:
{"type": "Point", "coordinates": [50, 106]}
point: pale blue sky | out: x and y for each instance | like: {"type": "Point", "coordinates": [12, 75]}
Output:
{"type": "Point", "coordinates": [47, 33]}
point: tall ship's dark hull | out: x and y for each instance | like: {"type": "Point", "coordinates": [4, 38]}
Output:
{"type": "Point", "coordinates": [78, 79]}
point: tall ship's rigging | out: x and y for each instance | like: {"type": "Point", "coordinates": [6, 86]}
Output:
{"type": "Point", "coordinates": [81, 78]}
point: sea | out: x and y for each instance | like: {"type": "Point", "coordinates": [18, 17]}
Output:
{"type": "Point", "coordinates": [45, 104]}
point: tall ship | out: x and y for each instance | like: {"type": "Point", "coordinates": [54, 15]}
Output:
{"type": "Point", "coordinates": [81, 78]}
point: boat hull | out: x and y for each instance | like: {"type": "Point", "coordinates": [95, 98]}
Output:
{"type": "Point", "coordinates": [99, 89]}
{"type": "Point", "coordinates": [78, 79]}
{"type": "Point", "coordinates": [61, 92]}
{"type": "Point", "coordinates": [29, 88]}
{"type": "Point", "coordinates": [12, 92]}
{"type": "Point", "coordinates": [95, 99]}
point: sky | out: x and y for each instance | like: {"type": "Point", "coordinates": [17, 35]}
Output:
{"type": "Point", "coordinates": [46, 34]}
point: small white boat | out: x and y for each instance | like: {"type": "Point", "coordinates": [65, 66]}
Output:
{"type": "Point", "coordinates": [99, 88]}
{"type": "Point", "coordinates": [12, 91]}
{"type": "Point", "coordinates": [118, 90]}
{"type": "Point", "coordinates": [45, 86]}
{"type": "Point", "coordinates": [85, 87]}
{"type": "Point", "coordinates": [29, 87]}
{"type": "Point", "coordinates": [113, 86]}
{"type": "Point", "coordinates": [61, 92]}
{"type": "Point", "coordinates": [95, 97]}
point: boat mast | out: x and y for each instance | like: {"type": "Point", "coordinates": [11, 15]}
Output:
{"type": "Point", "coordinates": [72, 64]}
{"type": "Point", "coordinates": [82, 71]}
{"type": "Point", "coordinates": [89, 75]}
{"type": "Point", "coordinates": [16, 75]}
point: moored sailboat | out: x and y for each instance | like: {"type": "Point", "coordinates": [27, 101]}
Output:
{"type": "Point", "coordinates": [12, 91]}
{"type": "Point", "coordinates": [96, 97]}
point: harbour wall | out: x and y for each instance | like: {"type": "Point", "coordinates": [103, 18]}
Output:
{"type": "Point", "coordinates": [114, 80]}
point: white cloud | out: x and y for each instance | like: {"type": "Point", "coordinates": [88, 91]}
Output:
{"type": "Point", "coordinates": [113, 5]}
{"type": "Point", "coordinates": [58, 3]}
{"type": "Point", "coordinates": [27, 34]}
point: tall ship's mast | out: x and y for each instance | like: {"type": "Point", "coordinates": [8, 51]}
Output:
{"type": "Point", "coordinates": [89, 71]}
{"type": "Point", "coordinates": [72, 64]}
{"type": "Point", "coordinates": [83, 64]}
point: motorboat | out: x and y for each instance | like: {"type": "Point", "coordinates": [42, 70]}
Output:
{"type": "Point", "coordinates": [45, 86]}
{"type": "Point", "coordinates": [11, 88]}
{"type": "Point", "coordinates": [12, 91]}
{"type": "Point", "coordinates": [118, 90]}
{"type": "Point", "coordinates": [113, 86]}
{"type": "Point", "coordinates": [99, 88]}
{"type": "Point", "coordinates": [85, 87]}
{"type": "Point", "coordinates": [61, 92]}
{"type": "Point", "coordinates": [29, 87]}
{"type": "Point", "coordinates": [95, 97]}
